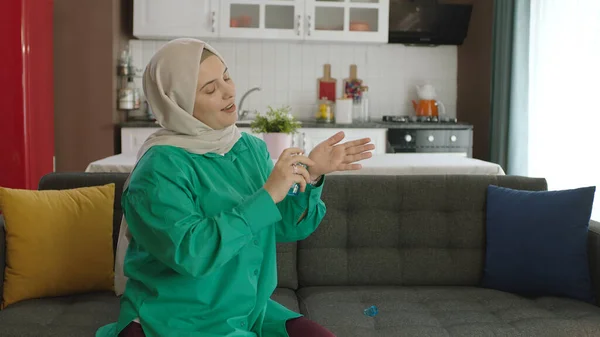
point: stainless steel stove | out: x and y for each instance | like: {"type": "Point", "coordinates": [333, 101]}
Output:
{"type": "Point", "coordinates": [412, 134]}
{"type": "Point", "coordinates": [420, 119]}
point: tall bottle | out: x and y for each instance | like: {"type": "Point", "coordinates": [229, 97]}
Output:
{"type": "Point", "coordinates": [365, 103]}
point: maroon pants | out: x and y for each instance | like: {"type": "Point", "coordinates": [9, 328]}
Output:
{"type": "Point", "coordinates": [304, 327]}
{"type": "Point", "coordinates": [298, 327]}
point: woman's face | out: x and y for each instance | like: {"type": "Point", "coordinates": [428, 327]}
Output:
{"type": "Point", "coordinates": [215, 95]}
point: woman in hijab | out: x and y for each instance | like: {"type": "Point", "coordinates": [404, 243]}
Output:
{"type": "Point", "coordinates": [204, 207]}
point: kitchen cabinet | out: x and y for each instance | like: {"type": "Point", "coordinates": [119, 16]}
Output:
{"type": "Point", "coordinates": [160, 19]}
{"type": "Point", "coordinates": [312, 20]}
{"type": "Point", "coordinates": [347, 20]}
{"type": "Point", "coordinates": [266, 19]}
{"type": "Point", "coordinates": [132, 138]}
{"type": "Point", "coordinates": [249, 131]}
{"type": "Point", "coordinates": [314, 136]}
{"type": "Point", "coordinates": [308, 138]}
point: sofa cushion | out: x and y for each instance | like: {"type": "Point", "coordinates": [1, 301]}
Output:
{"type": "Point", "coordinates": [445, 311]}
{"type": "Point", "coordinates": [287, 298]}
{"type": "Point", "coordinates": [401, 230]}
{"type": "Point", "coordinates": [82, 315]}
{"type": "Point", "coordinates": [537, 242]}
{"type": "Point", "coordinates": [70, 316]}
{"type": "Point", "coordinates": [58, 242]}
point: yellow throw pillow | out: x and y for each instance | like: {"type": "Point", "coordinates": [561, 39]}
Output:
{"type": "Point", "coordinates": [58, 242]}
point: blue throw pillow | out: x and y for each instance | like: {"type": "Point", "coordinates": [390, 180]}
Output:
{"type": "Point", "coordinates": [536, 242]}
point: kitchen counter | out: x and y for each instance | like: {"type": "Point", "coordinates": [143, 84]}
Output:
{"type": "Point", "coordinates": [383, 164]}
{"type": "Point", "coordinates": [318, 125]}
{"type": "Point", "coordinates": [385, 125]}
{"type": "Point", "coordinates": [148, 124]}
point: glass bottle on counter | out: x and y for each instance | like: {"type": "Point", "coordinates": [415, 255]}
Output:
{"type": "Point", "coordinates": [365, 104]}
{"type": "Point", "coordinates": [136, 94]}
{"type": "Point", "coordinates": [360, 106]}
{"type": "Point", "coordinates": [357, 108]}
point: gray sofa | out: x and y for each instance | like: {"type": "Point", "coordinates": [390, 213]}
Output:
{"type": "Point", "coordinates": [411, 245]}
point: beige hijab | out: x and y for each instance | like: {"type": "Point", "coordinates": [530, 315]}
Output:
{"type": "Point", "coordinates": [170, 82]}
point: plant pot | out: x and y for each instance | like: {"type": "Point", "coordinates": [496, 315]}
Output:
{"type": "Point", "coordinates": [277, 142]}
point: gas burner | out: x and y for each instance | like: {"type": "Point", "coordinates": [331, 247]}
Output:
{"type": "Point", "coordinates": [419, 119]}
{"type": "Point", "coordinates": [427, 119]}
{"type": "Point", "coordinates": [449, 120]}
{"type": "Point", "coordinates": [397, 119]}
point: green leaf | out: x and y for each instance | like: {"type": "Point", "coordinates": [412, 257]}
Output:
{"type": "Point", "coordinates": [275, 121]}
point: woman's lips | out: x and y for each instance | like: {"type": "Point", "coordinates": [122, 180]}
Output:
{"type": "Point", "coordinates": [230, 109]}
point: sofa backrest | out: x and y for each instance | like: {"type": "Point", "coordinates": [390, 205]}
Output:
{"type": "Point", "coordinates": [286, 252]}
{"type": "Point", "coordinates": [378, 230]}
{"type": "Point", "coordinates": [401, 230]}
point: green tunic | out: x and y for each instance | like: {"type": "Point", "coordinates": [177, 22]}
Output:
{"type": "Point", "coordinates": [202, 262]}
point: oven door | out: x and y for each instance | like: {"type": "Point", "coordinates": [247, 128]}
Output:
{"type": "Point", "coordinates": [455, 141]}
{"type": "Point", "coordinates": [402, 141]}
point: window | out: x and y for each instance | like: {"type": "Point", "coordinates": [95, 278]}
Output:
{"type": "Point", "coordinates": [564, 94]}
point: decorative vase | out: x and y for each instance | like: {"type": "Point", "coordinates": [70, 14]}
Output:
{"type": "Point", "coordinates": [277, 142]}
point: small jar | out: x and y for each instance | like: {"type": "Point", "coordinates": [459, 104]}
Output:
{"type": "Point", "coordinates": [325, 113]}
{"type": "Point", "coordinates": [129, 97]}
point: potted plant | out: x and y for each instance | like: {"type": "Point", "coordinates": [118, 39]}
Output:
{"type": "Point", "coordinates": [277, 127]}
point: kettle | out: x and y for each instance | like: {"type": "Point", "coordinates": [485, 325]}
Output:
{"type": "Point", "coordinates": [427, 106]}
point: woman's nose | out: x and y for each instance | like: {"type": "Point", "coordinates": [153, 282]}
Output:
{"type": "Point", "coordinates": [228, 90]}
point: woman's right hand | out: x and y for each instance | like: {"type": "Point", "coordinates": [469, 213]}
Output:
{"type": "Point", "coordinates": [286, 173]}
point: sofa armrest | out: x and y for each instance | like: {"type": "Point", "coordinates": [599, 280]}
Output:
{"type": "Point", "coordinates": [594, 257]}
{"type": "Point", "coordinates": [2, 255]}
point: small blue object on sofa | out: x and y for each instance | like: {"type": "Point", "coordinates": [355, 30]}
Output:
{"type": "Point", "coordinates": [537, 242]}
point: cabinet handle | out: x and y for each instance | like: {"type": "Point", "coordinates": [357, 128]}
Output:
{"type": "Point", "coordinates": [214, 21]}
{"type": "Point", "coordinates": [299, 24]}
{"type": "Point", "coordinates": [309, 24]}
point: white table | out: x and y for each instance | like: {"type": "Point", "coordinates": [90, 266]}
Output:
{"type": "Point", "coordinates": [383, 164]}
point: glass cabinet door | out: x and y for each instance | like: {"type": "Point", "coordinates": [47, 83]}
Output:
{"type": "Point", "coordinates": [262, 19]}
{"type": "Point", "coordinates": [347, 20]}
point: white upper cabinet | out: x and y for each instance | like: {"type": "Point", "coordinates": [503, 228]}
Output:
{"type": "Point", "coordinates": [347, 20]}
{"type": "Point", "coordinates": [262, 19]}
{"type": "Point", "coordinates": [162, 19]}
{"type": "Point", "coordinates": [317, 20]}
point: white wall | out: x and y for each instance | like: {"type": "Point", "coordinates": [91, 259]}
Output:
{"type": "Point", "coordinates": [288, 72]}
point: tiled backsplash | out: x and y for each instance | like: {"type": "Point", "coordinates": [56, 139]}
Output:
{"type": "Point", "coordinates": [287, 72]}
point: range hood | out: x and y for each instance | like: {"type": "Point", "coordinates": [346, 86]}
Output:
{"type": "Point", "coordinates": [429, 22]}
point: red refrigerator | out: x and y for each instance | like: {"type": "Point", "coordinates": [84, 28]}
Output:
{"type": "Point", "coordinates": [26, 93]}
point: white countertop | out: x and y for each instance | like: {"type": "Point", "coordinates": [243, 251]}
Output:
{"type": "Point", "coordinates": [383, 164]}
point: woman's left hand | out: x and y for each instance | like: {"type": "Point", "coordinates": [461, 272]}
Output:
{"type": "Point", "coordinates": [329, 156]}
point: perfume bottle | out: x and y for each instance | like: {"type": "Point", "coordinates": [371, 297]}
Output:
{"type": "Point", "coordinates": [295, 189]}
